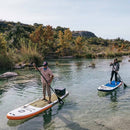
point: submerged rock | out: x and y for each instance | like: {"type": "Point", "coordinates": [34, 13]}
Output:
{"type": "Point", "coordinates": [92, 65]}
{"type": "Point", "coordinates": [22, 65]}
{"type": "Point", "coordinates": [22, 81]}
{"type": "Point", "coordinates": [8, 75]}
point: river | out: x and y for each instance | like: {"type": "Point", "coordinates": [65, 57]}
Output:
{"type": "Point", "coordinates": [84, 109]}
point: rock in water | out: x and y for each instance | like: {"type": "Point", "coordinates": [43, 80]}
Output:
{"type": "Point", "coordinates": [8, 75]}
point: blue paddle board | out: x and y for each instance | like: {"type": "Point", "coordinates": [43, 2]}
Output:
{"type": "Point", "coordinates": [110, 86]}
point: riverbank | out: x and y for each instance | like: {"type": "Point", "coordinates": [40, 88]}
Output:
{"type": "Point", "coordinates": [22, 44]}
{"type": "Point", "coordinates": [10, 65]}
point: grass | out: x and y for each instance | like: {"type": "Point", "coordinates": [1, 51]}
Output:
{"type": "Point", "coordinates": [30, 53]}
{"type": "Point", "coordinates": [5, 62]}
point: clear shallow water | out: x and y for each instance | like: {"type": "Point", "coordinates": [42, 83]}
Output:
{"type": "Point", "coordinates": [85, 108]}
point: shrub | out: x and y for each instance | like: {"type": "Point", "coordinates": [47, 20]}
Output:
{"type": "Point", "coordinates": [5, 62]}
{"type": "Point", "coordinates": [30, 54]}
{"type": "Point", "coordinates": [89, 55]}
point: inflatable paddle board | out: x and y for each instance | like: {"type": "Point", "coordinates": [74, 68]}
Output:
{"type": "Point", "coordinates": [110, 87]}
{"type": "Point", "coordinates": [34, 108]}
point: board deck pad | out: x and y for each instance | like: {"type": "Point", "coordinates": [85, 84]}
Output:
{"type": "Point", "coordinates": [42, 103]}
{"type": "Point", "coordinates": [112, 84]}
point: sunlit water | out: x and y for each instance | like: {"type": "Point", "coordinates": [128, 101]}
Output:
{"type": "Point", "coordinates": [84, 109]}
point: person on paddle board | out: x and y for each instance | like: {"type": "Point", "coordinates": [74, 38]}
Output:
{"type": "Point", "coordinates": [115, 68]}
{"type": "Point", "coordinates": [47, 73]}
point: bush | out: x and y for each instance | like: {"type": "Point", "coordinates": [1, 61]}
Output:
{"type": "Point", "coordinates": [89, 55]}
{"type": "Point", "coordinates": [30, 54]}
{"type": "Point", "coordinates": [5, 62]}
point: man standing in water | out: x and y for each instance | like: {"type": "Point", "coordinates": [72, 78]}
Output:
{"type": "Point", "coordinates": [47, 73]}
{"type": "Point", "coordinates": [115, 68]}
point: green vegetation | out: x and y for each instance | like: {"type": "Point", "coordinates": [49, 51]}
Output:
{"type": "Point", "coordinates": [32, 43]}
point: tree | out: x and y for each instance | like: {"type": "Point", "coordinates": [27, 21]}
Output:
{"type": "Point", "coordinates": [44, 37]}
{"type": "Point", "coordinates": [3, 43]}
{"type": "Point", "coordinates": [49, 37]}
{"type": "Point", "coordinates": [37, 35]}
{"type": "Point", "coordinates": [60, 43]}
{"type": "Point", "coordinates": [48, 33]}
{"type": "Point", "coordinates": [79, 44]}
{"type": "Point", "coordinates": [15, 34]}
{"type": "Point", "coordinates": [58, 28]}
{"type": "Point", "coordinates": [64, 45]}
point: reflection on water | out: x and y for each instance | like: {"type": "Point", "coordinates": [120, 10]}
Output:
{"type": "Point", "coordinates": [70, 124]}
{"type": "Point", "coordinates": [46, 118]}
{"type": "Point", "coordinates": [113, 95]}
{"type": "Point", "coordinates": [84, 108]}
{"type": "Point", "coordinates": [3, 88]}
{"type": "Point", "coordinates": [2, 91]}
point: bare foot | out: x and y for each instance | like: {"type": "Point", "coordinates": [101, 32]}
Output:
{"type": "Point", "coordinates": [44, 99]}
{"type": "Point", "coordinates": [49, 102]}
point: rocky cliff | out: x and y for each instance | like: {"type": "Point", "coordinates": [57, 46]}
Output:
{"type": "Point", "coordinates": [86, 34]}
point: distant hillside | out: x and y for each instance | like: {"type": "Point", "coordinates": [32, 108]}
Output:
{"type": "Point", "coordinates": [6, 26]}
{"type": "Point", "coordinates": [83, 34]}
{"type": "Point", "coordinates": [24, 43]}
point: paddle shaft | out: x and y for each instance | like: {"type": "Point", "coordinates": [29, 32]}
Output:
{"type": "Point", "coordinates": [59, 99]}
{"type": "Point", "coordinates": [121, 80]}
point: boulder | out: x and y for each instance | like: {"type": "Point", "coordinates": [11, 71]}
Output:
{"type": "Point", "coordinates": [8, 75]}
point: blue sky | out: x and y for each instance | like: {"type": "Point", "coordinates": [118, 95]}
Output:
{"type": "Point", "coordinates": [108, 19]}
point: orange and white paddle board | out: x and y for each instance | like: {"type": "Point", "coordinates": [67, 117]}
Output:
{"type": "Point", "coordinates": [33, 108]}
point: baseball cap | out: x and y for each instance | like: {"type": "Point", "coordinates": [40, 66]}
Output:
{"type": "Point", "coordinates": [45, 63]}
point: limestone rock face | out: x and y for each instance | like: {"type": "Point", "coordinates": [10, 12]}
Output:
{"type": "Point", "coordinates": [8, 75]}
{"type": "Point", "coordinates": [86, 34]}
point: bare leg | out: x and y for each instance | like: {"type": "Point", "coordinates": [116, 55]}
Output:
{"type": "Point", "coordinates": [44, 91]}
{"type": "Point", "coordinates": [49, 93]}
{"type": "Point", "coordinates": [49, 99]}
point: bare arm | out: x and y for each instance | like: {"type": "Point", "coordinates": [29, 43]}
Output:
{"type": "Point", "coordinates": [34, 65]}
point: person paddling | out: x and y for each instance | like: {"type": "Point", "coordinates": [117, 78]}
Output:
{"type": "Point", "coordinates": [115, 68]}
{"type": "Point", "coordinates": [47, 73]}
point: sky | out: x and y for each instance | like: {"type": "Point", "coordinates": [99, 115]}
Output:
{"type": "Point", "coordinates": [108, 19]}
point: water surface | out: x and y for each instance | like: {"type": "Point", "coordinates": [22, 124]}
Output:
{"type": "Point", "coordinates": [85, 108]}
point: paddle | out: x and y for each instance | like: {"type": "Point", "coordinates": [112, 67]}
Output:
{"type": "Point", "coordinates": [122, 80]}
{"type": "Point", "coordinates": [59, 99]}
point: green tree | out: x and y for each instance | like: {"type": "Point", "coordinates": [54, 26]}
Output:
{"type": "Point", "coordinates": [3, 43]}
{"type": "Point", "coordinates": [15, 34]}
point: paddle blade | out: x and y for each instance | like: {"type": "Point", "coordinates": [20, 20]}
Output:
{"type": "Point", "coordinates": [60, 100]}
{"type": "Point", "coordinates": [125, 85]}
